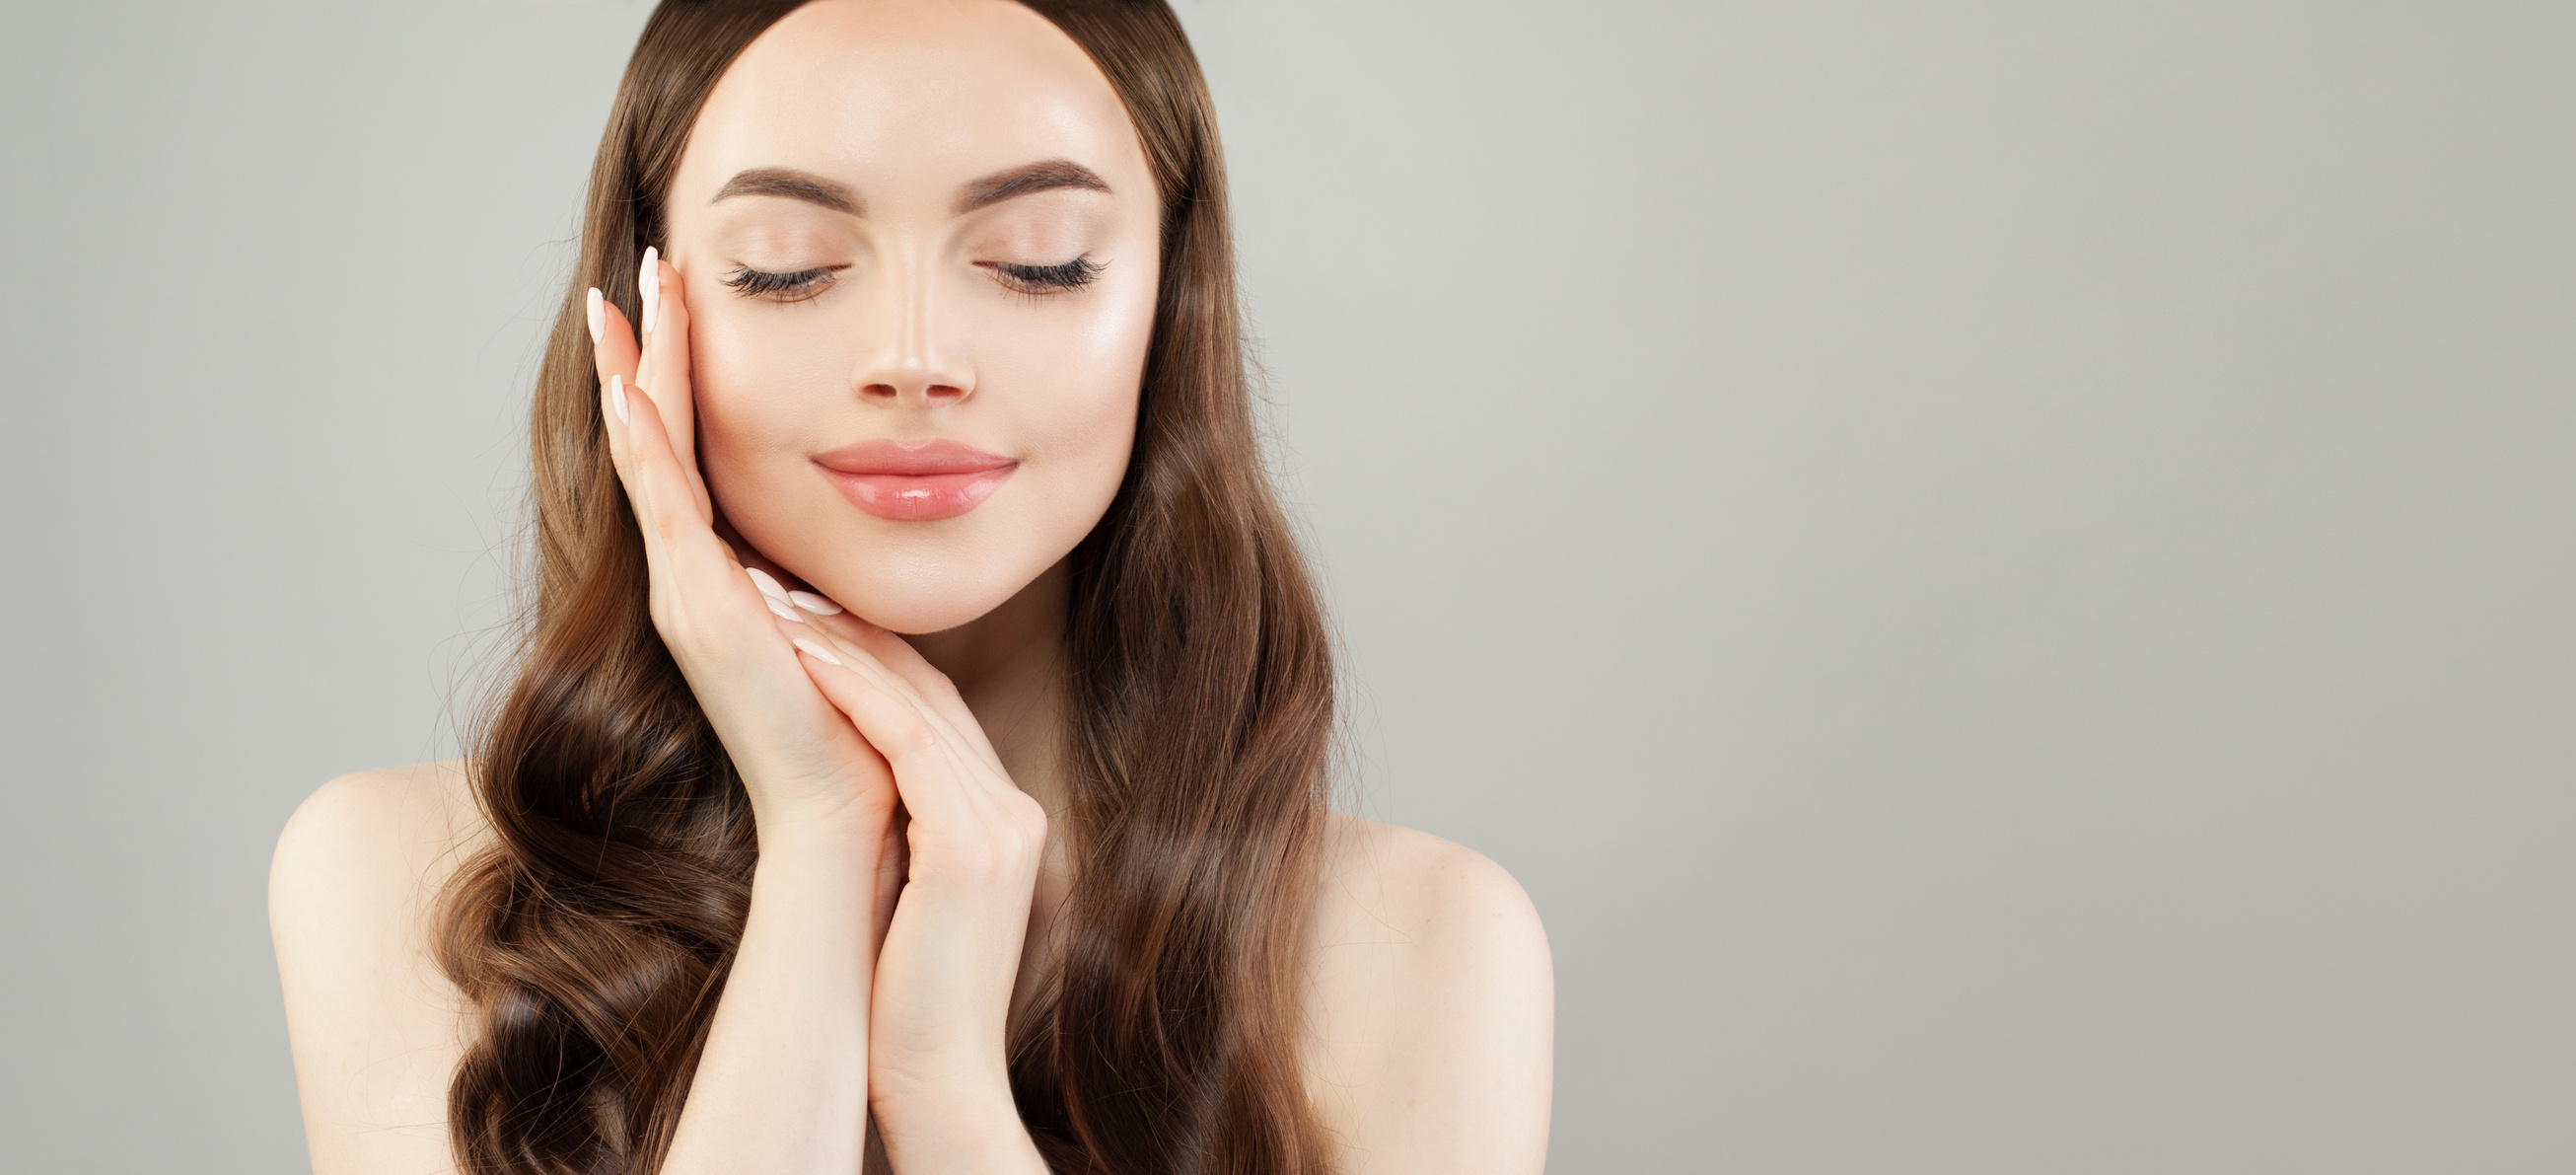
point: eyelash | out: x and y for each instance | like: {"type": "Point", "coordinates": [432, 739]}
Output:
{"type": "Point", "coordinates": [1047, 279]}
{"type": "Point", "coordinates": [800, 285]}
{"type": "Point", "coordinates": [807, 283]}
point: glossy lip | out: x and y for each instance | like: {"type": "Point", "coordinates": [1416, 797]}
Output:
{"type": "Point", "coordinates": [920, 481]}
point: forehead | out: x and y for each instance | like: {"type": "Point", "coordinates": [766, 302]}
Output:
{"type": "Point", "coordinates": [923, 94]}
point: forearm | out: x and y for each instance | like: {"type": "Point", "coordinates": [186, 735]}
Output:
{"type": "Point", "coordinates": [943, 1099]}
{"type": "Point", "coordinates": [781, 1087]}
{"type": "Point", "coordinates": [939, 1072]}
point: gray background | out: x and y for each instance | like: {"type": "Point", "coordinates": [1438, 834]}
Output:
{"type": "Point", "coordinates": [2000, 571]}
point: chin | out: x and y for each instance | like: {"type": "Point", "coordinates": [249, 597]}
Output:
{"type": "Point", "coordinates": [913, 605]}
{"type": "Point", "coordinates": [912, 577]}
{"type": "Point", "coordinates": [911, 587]}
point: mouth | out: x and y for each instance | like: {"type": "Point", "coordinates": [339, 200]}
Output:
{"type": "Point", "coordinates": [915, 481]}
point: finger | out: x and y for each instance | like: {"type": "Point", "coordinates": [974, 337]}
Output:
{"type": "Point", "coordinates": [898, 657]}
{"type": "Point", "coordinates": [614, 353]}
{"type": "Point", "coordinates": [665, 368]}
{"type": "Point", "coordinates": [790, 621]}
{"type": "Point", "coordinates": [968, 788]}
{"type": "Point", "coordinates": [613, 349]}
{"type": "Point", "coordinates": [933, 687]}
{"type": "Point", "coordinates": [678, 543]}
{"type": "Point", "coordinates": [926, 769]}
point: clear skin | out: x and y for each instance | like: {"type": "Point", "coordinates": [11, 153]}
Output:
{"type": "Point", "coordinates": [901, 747]}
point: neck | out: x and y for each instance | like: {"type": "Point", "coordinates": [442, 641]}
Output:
{"type": "Point", "coordinates": [1008, 665]}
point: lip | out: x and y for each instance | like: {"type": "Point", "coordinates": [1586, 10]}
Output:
{"type": "Point", "coordinates": [920, 481]}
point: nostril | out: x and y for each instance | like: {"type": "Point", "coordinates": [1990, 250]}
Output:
{"type": "Point", "coordinates": [883, 390]}
{"type": "Point", "coordinates": [945, 392]}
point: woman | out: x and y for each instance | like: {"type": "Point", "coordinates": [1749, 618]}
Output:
{"type": "Point", "coordinates": [917, 760]}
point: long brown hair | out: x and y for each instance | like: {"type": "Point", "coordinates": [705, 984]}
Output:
{"type": "Point", "coordinates": [594, 938]}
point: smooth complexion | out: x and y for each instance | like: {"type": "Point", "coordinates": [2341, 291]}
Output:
{"type": "Point", "coordinates": [888, 379]}
{"type": "Point", "coordinates": [837, 153]}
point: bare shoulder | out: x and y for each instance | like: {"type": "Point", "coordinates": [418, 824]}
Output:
{"type": "Point", "coordinates": [421, 814]}
{"type": "Point", "coordinates": [1432, 1006]}
{"type": "Point", "coordinates": [375, 1026]}
{"type": "Point", "coordinates": [370, 852]}
{"type": "Point", "coordinates": [1384, 883]}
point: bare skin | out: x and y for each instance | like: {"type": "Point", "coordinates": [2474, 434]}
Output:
{"type": "Point", "coordinates": [841, 148]}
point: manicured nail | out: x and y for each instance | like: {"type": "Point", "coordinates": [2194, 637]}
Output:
{"type": "Point", "coordinates": [598, 317]}
{"type": "Point", "coordinates": [818, 652]}
{"type": "Point", "coordinates": [650, 278]}
{"type": "Point", "coordinates": [769, 585]}
{"type": "Point", "coordinates": [617, 396]}
{"type": "Point", "coordinates": [782, 610]}
{"type": "Point", "coordinates": [814, 603]}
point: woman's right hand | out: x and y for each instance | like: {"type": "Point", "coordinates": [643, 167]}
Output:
{"type": "Point", "coordinates": [800, 758]}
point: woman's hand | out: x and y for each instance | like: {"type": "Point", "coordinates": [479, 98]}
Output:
{"type": "Point", "coordinates": [938, 1073]}
{"type": "Point", "coordinates": [861, 720]}
{"type": "Point", "coordinates": [799, 757]}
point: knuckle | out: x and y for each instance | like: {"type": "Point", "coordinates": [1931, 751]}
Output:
{"type": "Point", "coordinates": [679, 624]}
{"type": "Point", "coordinates": [1027, 817]}
{"type": "Point", "coordinates": [1019, 836]}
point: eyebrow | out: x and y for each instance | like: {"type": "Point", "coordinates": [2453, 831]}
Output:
{"type": "Point", "coordinates": [794, 185]}
{"type": "Point", "coordinates": [1044, 175]}
{"type": "Point", "coordinates": [1041, 176]}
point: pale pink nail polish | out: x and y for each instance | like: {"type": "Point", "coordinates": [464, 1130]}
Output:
{"type": "Point", "coordinates": [617, 396]}
{"type": "Point", "coordinates": [818, 652]}
{"type": "Point", "coordinates": [782, 611]}
{"type": "Point", "coordinates": [768, 585]}
{"type": "Point", "coordinates": [598, 317]}
{"type": "Point", "coordinates": [814, 603]}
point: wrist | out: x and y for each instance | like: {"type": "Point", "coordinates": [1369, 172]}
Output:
{"type": "Point", "coordinates": [964, 1125]}
{"type": "Point", "coordinates": [828, 828]}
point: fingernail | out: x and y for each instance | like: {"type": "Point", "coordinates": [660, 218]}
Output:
{"type": "Point", "coordinates": [768, 585]}
{"type": "Point", "coordinates": [814, 603]}
{"type": "Point", "coordinates": [650, 278]}
{"type": "Point", "coordinates": [598, 317]}
{"type": "Point", "coordinates": [784, 612]}
{"type": "Point", "coordinates": [818, 652]}
{"type": "Point", "coordinates": [617, 396]}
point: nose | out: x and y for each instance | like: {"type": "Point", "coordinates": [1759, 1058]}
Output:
{"type": "Point", "coordinates": [906, 358]}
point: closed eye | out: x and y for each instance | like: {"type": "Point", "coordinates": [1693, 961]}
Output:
{"type": "Point", "coordinates": [1046, 279]}
{"type": "Point", "coordinates": [781, 287]}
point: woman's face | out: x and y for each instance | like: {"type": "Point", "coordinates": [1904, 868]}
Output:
{"type": "Point", "coordinates": [918, 242]}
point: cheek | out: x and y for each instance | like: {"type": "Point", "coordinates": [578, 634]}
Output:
{"type": "Point", "coordinates": [1081, 376]}
{"type": "Point", "coordinates": [1095, 434]}
{"type": "Point", "coordinates": [760, 377]}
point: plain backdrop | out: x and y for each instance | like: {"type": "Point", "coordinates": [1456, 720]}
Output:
{"type": "Point", "coordinates": [2000, 571]}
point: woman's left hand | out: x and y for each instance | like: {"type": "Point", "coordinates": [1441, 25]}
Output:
{"type": "Point", "coordinates": [938, 1072]}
